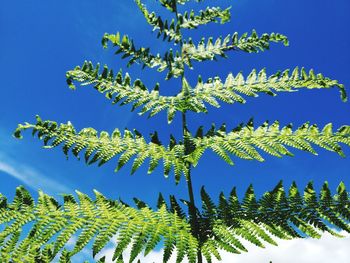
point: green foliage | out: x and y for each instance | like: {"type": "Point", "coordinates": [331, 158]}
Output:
{"type": "Point", "coordinates": [85, 222]}
{"type": "Point", "coordinates": [103, 147]}
{"type": "Point", "coordinates": [243, 142]}
{"type": "Point", "coordinates": [174, 63]}
{"type": "Point", "coordinates": [119, 89]}
{"type": "Point", "coordinates": [182, 227]}
{"type": "Point", "coordinates": [171, 30]}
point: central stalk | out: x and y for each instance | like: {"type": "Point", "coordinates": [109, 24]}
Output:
{"type": "Point", "coordinates": [192, 206]}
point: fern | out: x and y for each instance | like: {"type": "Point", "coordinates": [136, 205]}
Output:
{"type": "Point", "coordinates": [180, 225]}
{"type": "Point", "coordinates": [258, 221]}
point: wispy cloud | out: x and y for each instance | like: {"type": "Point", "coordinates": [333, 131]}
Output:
{"type": "Point", "coordinates": [30, 176]}
{"type": "Point", "coordinates": [326, 249]}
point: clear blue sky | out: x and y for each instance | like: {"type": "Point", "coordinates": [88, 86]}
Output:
{"type": "Point", "coordinates": [41, 40]}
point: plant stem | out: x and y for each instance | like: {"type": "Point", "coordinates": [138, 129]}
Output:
{"type": "Point", "coordinates": [192, 204]}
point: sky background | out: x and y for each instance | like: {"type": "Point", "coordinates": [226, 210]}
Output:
{"type": "Point", "coordinates": [41, 40]}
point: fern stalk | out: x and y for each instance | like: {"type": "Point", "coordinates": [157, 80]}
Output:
{"type": "Point", "coordinates": [192, 205]}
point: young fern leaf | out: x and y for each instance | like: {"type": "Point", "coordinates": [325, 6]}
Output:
{"type": "Point", "coordinates": [245, 141]}
{"type": "Point", "coordinates": [101, 148]}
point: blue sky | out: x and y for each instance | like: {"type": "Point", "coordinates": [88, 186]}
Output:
{"type": "Point", "coordinates": [41, 40]}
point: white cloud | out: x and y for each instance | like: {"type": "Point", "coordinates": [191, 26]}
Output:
{"type": "Point", "coordinates": [327, 249]}
{"type": "Point", "coordinates": [30, 176]}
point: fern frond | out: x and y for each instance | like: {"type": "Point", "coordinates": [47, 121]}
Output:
{"type": "Point", "coordinates": [258, 221]}
{"type": "Point", "coordinates": [101, 220]}
{"type": "Point", "coordinates": [171, 5]}
{"type": "Point", "coordinates": [189, 20]}
{"type": "Point", "coordinates": [126, 45]}
{"type": "Point", "coordinates": [211, 49]}
{"type": "Point", "coordinates": [276, 214]}
{"type": "Point", "coordinates": [171, 30]}
{"type": "Point", "coordinates": [234, 88]}
{"type": "Point", "coordinates": [120, 89]}
{"type": "Point", "coordinates": [103, 147]}
{"type": "Point", "coordinates": [245, 141]}
{"type": "Point", "coordinates": [172, 62]}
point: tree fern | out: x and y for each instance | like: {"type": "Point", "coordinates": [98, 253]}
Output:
{"type": "Point", "coordinates": [181, 226]}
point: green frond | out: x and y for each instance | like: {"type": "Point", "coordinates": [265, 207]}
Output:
{"type": "Point", "coordinates": [189, 20]}
{"type": "Point", "coordinates": [101, 221]}
{"type": "Point", "coordinates": [210, 49]}
{"type": "Point", "coordinates": [120, 89]}
{"type": "Point", "coordinates": [235, 87]}
{"type": "Point", "coordinates": [247, 142]}
{"type": "Point", "coordinates": [275, 215]}
{"type": "Point", "coordinates": [126, 45]}
{"type": "Point", "coordinates": [103, 147]}
{"type": "Point", "coordinates": [171, 30]}
{"type": "Point", "coordinates": [171, 5]}
{"type": "Point", "coordinates": [222, 226]}
{"type": "Point", "coordinates": [169, 61]}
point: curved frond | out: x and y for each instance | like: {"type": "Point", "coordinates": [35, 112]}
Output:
{"type": "Point", "coordinates": [88, 221]}
{"type": "Point", "coordinates": [103, 147]}
{"type": "Point", "coordinates": [248, 43]}
{"type": "Point", "coordinates": [247, 142]}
